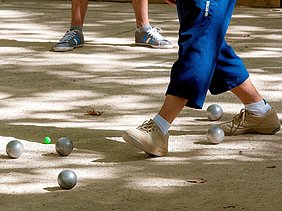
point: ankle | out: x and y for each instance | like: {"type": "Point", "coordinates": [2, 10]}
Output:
{"type": "Point", "coordinates": [258, 108]}
{"type": "Point", "coordinates": [79, 28]}
{"type": "Point", "coordinates": [162, 123]}
{"type": "Point", "coordinates": [144, 28]}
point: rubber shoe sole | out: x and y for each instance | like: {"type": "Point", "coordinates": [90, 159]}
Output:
{"type": "Point", "coordinates": [157, 151]}
{"type": "Point", "coordinates": [155, 46]}
{"type": "Point", "coordinates": [63, 49]}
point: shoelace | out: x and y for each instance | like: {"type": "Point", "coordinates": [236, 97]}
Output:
{"type": "Point", "coordinates": [69, 35]}
{"type": "Point", "coordinates": [147, 126]}
{"type": "Point", "coordinates": [238, 120]}
{"type": "Point", "coordinates": [155, 33]}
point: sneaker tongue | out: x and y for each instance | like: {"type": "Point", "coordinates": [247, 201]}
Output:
{"type": "Point", "coordinates": [146, 125]}
{"type": "Point", "coordinates": [68, 36]}
{"type": "Point", "coordinates": [155, 34]}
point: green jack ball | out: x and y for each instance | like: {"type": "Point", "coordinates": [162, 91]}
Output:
{"type": "Point", "coordinates": [47, 140]}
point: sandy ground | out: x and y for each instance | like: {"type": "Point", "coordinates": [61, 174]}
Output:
{"type": "Point", "coordinates": [44, 93]}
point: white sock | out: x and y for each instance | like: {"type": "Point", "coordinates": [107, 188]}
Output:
{"type": "Point", "coordinates": [162, 123]}
{"type": "Point", "coordinates": [258, 108]}
{"type": "Point", "coordinates": [144, 28]}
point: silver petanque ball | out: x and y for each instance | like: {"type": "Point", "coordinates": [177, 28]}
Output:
{"type": "Point", "coordinates": [64, 146]}
{"type": "Point", "coordinates": [215, 135]}
{"type": "Point", "coordinates": [214, 112]}
{"type": "Point", "coordinates": [14, 149]}
{"type": "Point", "coordinates": [67, 179]}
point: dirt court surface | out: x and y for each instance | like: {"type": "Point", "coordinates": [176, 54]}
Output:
{"type": "Point", "coordinates": [44, 93]}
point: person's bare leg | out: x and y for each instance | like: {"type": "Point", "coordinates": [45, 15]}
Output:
{"type": "Point", "coordinates": [141, 11]}
{"type": "Point", "coordinates": [247, 93]}
{"type": "Point", "coordinates": [145, 34]}
{"type": "Point", "coordinates": [79, 8]}
{"type": "Point", "coordinates": [172, 106]}
{"type": "Point", "coordinates": [73, 38]}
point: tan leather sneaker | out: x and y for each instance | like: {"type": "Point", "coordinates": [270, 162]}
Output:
{"type": "Point", "coordinates": [246, 122]}
{"type": "Point", "coordinates": [148, 138]}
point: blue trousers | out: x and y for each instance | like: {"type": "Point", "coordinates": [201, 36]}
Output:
{"type": "Point", "coordinates": [205, 61]}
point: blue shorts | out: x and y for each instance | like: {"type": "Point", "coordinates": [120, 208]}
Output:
{"type": "Point", "coordinates": [205, 61]}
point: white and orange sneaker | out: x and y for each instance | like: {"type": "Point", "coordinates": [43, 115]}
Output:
{"type": "Point", "coordinates": [246, 122]}
{"type": "Point", "coordinates": [148, 138]}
